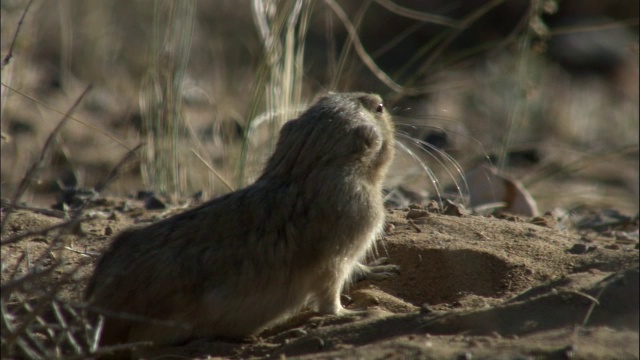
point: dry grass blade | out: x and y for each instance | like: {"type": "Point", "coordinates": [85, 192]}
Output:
{"type": "Point", "coordinates": [8, 340]}
{"type": "Point", "coordinates": [23, 235]}
{"type": "Point", "coordinates": [520, 108]}
{"type": "Point", "coordinates": [106, 350]}
{"type": "Point", "coordinates": [213, 171]}
{"type": "Point", "coordinates": [417, 15]}
{"type": "Point", "coordinates": [462, 26]}
{"type": "Point", "coordinates": [95, 339]}
{"type": "Point", "coordinates": [35, 168]}
{"type": "Point", "coordinates": [581, 163]}
{"type": "Point", "coordinates": [113, 174]}
{"type": "Point", "coordinates": [362, 52]}
{"type": "Point", "coordinates": [14, 285]}
{"type": "Point", "coordinates": [17, 265]}
{"type": "Point", "coordinates": [338, 73]}
{"type": "Point", "coordinates": [66, 333]}
{"type": "Point", "coordinates": [605, 26]}
{"type": "Point", "coordinates": [38, 210]}
{"type": "Point", "coordinates": [135, 317]}
{"type": "Point", "coordinates": [48, 328]}
{"type": "Point", "coordinates": [7, 58]}
{"type": "Point", "coordinates": [595, 300]}
{"type": "Point", "coordinates": [51, 108]}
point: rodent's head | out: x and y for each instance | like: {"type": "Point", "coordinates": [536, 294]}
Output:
{"type": "Point", "coordinates": [350, 133]}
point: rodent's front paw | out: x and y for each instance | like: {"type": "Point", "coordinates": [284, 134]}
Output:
{"type": "Point", "coordinates": [351, 312]}
{"type": "Point", "coordinates": [343, 316]}
{"type": "Point", "coordinates": [377, 270]}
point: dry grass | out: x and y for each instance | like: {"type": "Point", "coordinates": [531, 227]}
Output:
{"type": "Point", "coordinates": [161, 97]}
{"type": "Point", "coordinates": [36, 322]}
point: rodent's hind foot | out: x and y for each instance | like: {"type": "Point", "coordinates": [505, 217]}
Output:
{"type": "Point", "coordinates": [378, 269]}
{"type": "Point", "coordinates": [335, 309]}
{"type": "Point", "coordinates": [344, 316]}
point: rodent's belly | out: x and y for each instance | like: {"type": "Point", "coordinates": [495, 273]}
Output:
{"type": "Point", "coordinates": [243, 313]}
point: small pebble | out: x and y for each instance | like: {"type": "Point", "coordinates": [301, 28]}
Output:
{"type": "Point", "coordinates": [153, 203]}
{"type": "Point", "coordinates": [453, 209]}
{"type": "Point", "coordinates": [433, 207]}
{"type": "Point", "coordinates": [569, 352]}
{"type": "Point", "coordinates": [417, 213]}
{"type": "Point", "coordinates": [426, 309]}
{"type": "Point", "coordinates": [141, 195]}
{"type": "Point", "coordinates": [578, 249]}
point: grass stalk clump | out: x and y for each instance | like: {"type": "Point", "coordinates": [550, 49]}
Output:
{"type": "Point", "coordinates": [282, 27]}
{"type": "Point", "coordinates": [161, 96]}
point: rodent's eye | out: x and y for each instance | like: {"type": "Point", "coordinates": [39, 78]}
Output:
{"type": "Point", "coordinates": [380, 108]}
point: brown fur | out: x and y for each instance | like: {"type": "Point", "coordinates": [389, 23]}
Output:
{"type": "Point", "coordinates": [246, 260]}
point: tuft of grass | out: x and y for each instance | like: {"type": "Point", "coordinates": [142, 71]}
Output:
{"type": "Point", "coordinates": [520, 113]}
{"type": "Point", "coordinates": [282, 27]}
{"type": "Point", "coordinates": [161, 96]}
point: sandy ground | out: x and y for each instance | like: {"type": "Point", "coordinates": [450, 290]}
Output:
{"type": "Point", "coordinates": [560, 286]}
{"type": "Point", "coordinates": [470, 287]}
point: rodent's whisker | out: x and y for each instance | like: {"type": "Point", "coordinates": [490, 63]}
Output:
{"type": "Point", "coordinates": [432, 177]}
{"type": "Point", "coordinates": [411, 119]}
{"type": "Point", "coordinates": [428, 148]}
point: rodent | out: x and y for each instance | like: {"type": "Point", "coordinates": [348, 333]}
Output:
{"type": "Point", "coordinates": [246, 260]}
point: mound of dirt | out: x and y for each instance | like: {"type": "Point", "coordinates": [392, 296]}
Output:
{"type": "Point", "coordinates": [470, 287]}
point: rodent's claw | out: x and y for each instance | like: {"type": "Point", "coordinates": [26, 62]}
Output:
{"type": "Point", "coordinates": [376, 270]}
{"type": "Point", "coordinates": [381, 272]}
{"type": "Point", "coordinates": [379, 261]}
{"type": "Point", "coordinates": [342, 317]}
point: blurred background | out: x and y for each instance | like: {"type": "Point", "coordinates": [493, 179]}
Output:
{"type": "Point", "coordinates": [545, 91]}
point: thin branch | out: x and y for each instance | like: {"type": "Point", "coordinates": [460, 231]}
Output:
{"type": "Point", "coordinates": [34, 169]}
{"type": "Point", "coordinates": [364, 56]}
{"type": "Point", "coordinates": [48, 107]}
{"type": "Point", "coordinates": [17, 237]}
{"type": "Point", "coordinates": [7, 58]}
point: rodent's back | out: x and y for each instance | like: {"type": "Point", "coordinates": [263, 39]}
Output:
{"type": "Point", "coordinates": [240, 262]}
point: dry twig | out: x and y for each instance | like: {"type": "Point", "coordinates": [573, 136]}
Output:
{"type": "Point", "coordinates": [7, 58]}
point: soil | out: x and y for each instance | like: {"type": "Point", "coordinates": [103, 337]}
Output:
{"type": "Point", "coordinates": [470, 287]}
{"type": "Point", "coordinates": [560, 286]}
